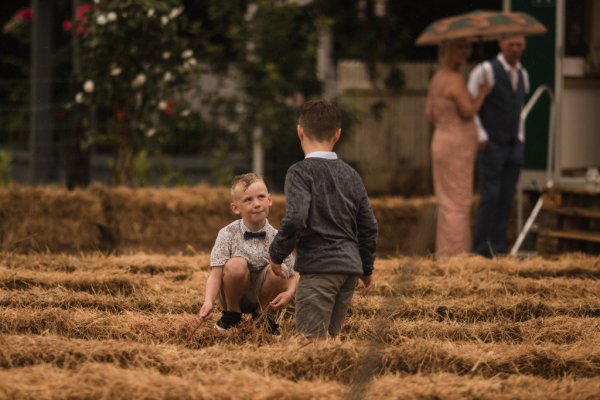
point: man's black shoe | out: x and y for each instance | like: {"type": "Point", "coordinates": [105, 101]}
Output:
{"type": "Point", "coordinates": [229, 319]}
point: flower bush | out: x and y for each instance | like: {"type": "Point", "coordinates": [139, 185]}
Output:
{"type": "Point", "coordinates": [81, 18]}
{"type": "Point", "coordinates": [19, 25]}
{"type": "Point", "coordinates": [137, 61]}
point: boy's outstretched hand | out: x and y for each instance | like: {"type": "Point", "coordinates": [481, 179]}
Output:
{"type": "Point", "coordinates": [205, 311]}
{"type": "Point", "coordinates": [282, 299]}
{"type": "Point", "coordinates": [369, 283]}
{"type": "Point", "coordinates": [276, 268]}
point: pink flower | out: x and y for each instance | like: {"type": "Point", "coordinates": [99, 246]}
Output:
{"type": "Point", "coordinates": [170, 106]}
{"type": "Point", "coordinates": [120, 114]}
{"type": "Point", "coordinates": [82, 10]}
{"type": "Point", "coordinates": [19, 25]}
{"type": "Point", "coordinates": [81, 20]}
{"type": "Point", "coordinates": [24, 14]}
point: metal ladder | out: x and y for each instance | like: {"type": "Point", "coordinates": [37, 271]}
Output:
{"type": "Point", "coordinates": [550, 162]}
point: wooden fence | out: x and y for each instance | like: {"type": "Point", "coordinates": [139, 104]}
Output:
{"type": "Point", "coordinates": [390, 144]}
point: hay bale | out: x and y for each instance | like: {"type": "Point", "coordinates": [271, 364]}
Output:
{"type": "Point", "coordinates": [163, 220]}
{"type": "Point", "coordinates": [406, 226]}
{"type": "Point", "coordinates": [49, 218]}
{"type": "Point", "coordinates": [169, 220]}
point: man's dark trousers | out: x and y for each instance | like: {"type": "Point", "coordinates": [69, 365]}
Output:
{"type": "Point", "coordinates": [498, 169]}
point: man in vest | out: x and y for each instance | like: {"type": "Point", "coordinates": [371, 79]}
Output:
{"type": "Point", "coordinates": [501, 136]}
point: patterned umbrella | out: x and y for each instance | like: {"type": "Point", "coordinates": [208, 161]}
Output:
{"type": "Point", "coordinates": [481, 26]}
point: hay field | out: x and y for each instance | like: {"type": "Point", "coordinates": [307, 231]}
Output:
{"type": "Point", "coordinates": [123, 327]}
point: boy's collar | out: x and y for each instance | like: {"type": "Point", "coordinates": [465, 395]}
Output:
{"type": "Point", "coordinates": [244, 228]}
{"type": "Point", "coordinates": [329, 155]}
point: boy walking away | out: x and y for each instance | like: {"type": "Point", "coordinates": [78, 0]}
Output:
{"type": "Point", "coordinates": [330, 223]}
{"type": "Point", "coordinates": [240, 275]}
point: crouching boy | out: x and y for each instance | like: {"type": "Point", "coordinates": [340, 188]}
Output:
{"type": "Point", "coordinates": [240, 274]}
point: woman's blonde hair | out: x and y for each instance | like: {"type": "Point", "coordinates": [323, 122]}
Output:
{"type": "Point", "coordinates": [446, 48]}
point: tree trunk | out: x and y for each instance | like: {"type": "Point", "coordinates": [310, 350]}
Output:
{"type": "Point", "coordinates": [123, 153]}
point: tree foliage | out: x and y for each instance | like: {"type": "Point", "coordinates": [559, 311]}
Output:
{"type": "Point", "coordinates": [137, 62]}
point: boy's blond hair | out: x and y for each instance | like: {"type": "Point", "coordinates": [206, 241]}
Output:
{"type": "Point", "coordinates": [244, 180]}
{"type": "Point", "coordinates": [320, 119]}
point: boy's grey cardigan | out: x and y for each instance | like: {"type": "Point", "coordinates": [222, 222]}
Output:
{"type": "Point", "coordinates": [328, 220]}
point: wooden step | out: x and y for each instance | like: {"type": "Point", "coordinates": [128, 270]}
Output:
{"type": "Point", "coordinates": [588, 236]}
{"type": "Point", "coordinates": [573, 197]}
{"type": "Point", "coordinates": [574, 211]}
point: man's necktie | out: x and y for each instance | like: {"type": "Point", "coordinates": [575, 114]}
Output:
{"type": "Point", "coordinates": [514, 78]}
{"type": "Point", "coordinates": [251, 235]}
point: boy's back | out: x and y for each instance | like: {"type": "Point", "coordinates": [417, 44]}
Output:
{"type": "Point", "coordinates": [328, 219]}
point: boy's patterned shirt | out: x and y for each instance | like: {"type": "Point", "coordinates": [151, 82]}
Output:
{"type": "Point", "coordinates": [231, 243]}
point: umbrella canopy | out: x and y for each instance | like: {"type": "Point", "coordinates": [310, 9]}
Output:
{"type": "Point", "coordinates": [481, 26]}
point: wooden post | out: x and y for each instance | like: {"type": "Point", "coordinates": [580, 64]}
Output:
{"type": "Point", "coordinates": [42, 148]}
{"type": "Point", "coordinates": [77, 159]}
{"type": "Point", "coordinates": [325, 67]}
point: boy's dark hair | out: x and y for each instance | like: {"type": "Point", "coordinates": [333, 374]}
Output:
{"type": "Point", "coordinates": [320, 119]}
{"type": "Point", "coordinates": [244, 180]}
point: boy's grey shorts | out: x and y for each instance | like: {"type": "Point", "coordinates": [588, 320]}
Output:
{"type": "Point", "coordinates": [249, 302]}
{"type": "Point", "coordinates": [322, 301]}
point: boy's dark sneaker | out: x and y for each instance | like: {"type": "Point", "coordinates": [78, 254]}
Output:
{"type": "Point", "coordinates": [229, 319]}
{"type": "Point", "coordinates": [271, 326]}
{"type": "Point", "coordinates": [268, 323]}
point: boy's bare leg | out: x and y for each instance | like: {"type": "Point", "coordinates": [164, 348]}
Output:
{"type": "Point", "coordinates": [271, 287]}
{"type": "Point", "coordinates": [235, 282]}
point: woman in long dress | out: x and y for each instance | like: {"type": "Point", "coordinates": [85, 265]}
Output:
{"type": "Point", "coordinates": [451, 109]}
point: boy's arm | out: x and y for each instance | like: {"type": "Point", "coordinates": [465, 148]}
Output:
{"type": "Point", "coordinates": [367, 235]}
{"type": "Point", "coordinates": [297, 202]}
{"type": "Point", "coordinates": [220, 253]}
{"type": "Point", "coordinates": [283, 298]}
{"type": "Point", "coordinates": [213, 286]}
{"type": "Point", "coordinates": [289, 264]}
{"type": "Point", "coordinates": [367, 242]}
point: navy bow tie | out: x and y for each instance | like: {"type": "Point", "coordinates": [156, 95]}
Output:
{"type": "Point", "coordinates": [259, 235]}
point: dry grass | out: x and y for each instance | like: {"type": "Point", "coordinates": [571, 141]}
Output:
{"type": "Point", "coordinates": [100, 326]}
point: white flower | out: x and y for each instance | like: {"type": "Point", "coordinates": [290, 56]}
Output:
{"type": "Point", "coordinates": [150, 13]}
{"type": "Point", "coordinates": [139, 81]}
{"type": "Point", "coordinates": [187, 53]}
{"type": "Point", "coordinates": [101, 19]}
{"type": "Point", "coordinates": [250, 11]}
{"type": "Point", "coordinates": [162, 105]}
{"type": "Point", "coordinates": [112, 16]}
{"type": "Point", "coordinates": [167, 77]}
{"type": "Point", "coordinates": [185, 113]}
{"type": "Point", "coordinates": [97, 1]}
{"type": "Point", "coordinates": [79, 97]}
{"type": "Point", "coordinates": [115, 71]}
{"type": "Point", "coordinates": [150, 132]}
{"type": "Point", "coordinates": [164, 20]}
{"type": "Point", "coordinates": [191, 62]}
{"type": "Point", "coordinates": [175, 12]}
{"type": "Point", "coordinates": [166, 55]}
{"type": "Point", "coordinates": [88, 86]}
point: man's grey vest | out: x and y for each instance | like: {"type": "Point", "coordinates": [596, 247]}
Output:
{"type": "Point", "coordinates": [501, 110]}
